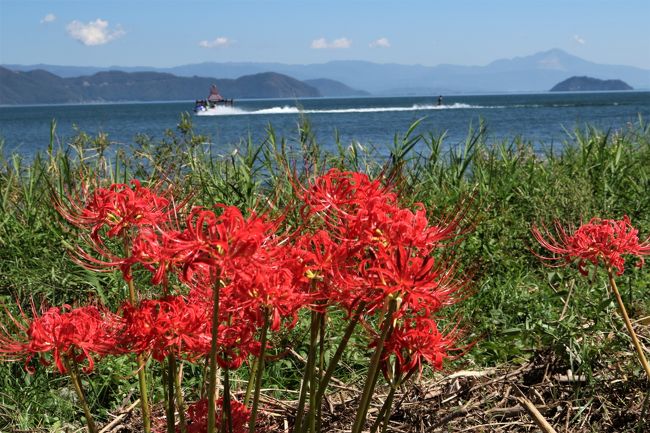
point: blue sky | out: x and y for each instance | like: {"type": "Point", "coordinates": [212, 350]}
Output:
{"type": "Point", "coordinates": [430, 32]}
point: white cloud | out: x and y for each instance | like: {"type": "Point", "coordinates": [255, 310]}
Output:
{"type": "Point", "coordinates": [49, 18]}
{"type": "Point", "coordinates": [579, 40]}
{"type": "Point", "coordinates": [94, 33]}
{"type": "Point", "coordinates": [341, 43]}
{"type": "Point", "coordinates": [319, 44]}
{"type": "Point", "coordinates": [380, 43]}
{"type": "Point", "coordinates": [216, 43]}
{"type": "Point", "coordinates": [322, 43]}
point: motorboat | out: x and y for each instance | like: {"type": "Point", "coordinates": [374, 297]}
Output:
{"type": "Point", "coordinates": [214, 101]}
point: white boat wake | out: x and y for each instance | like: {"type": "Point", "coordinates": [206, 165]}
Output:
{"type": "Point", "coordinates": [234, 111]}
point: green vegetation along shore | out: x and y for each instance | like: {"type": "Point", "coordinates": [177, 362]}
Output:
{"type": "Point", "coordinates": [521, 312]}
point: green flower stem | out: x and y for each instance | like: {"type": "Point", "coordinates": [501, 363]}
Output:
{"type": "Point", "coordinates": [212, 380]}
{"type": "Point", "coordinates": [164, 373]}
{"type": "Point", "coordinates": [339, 352]}
{"type": "Point", "coordinates": [226, 408]}
{"type": "Point", "coordinates": [307, 377]}
{"type": "Point", "coordinates": [315, 424]}
{"type": "Point", "coordinates": [226, 418]}
{"type": "Point", "coordinates": [142, 374]}
{"type": "Point", "coordinates": [628, 325]}
{"type": "Point", "coordinates": [251, 381]}
{"type": "Point", "coordinates": [205, 373]}
{"type": "Point", "coordinates": [76, 384]}
{"type": "Point", "coordinates": [144, 393]}
{"type": "Point", "coordinates": [180, 401]}
{"type": "Point", "coordinates": [171, 407]}
{"type": "Point", "coordinates": [373, 370]}
{"type": "Point", "coordinates": [259, 373]}
{"type": "Point", "coordinates": [315, 376]}
{"type": "Point", "coordinates": [384, 412]}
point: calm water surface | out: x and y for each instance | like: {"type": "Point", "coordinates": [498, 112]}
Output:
{"type": "Point", "coordinates": [540, 118]}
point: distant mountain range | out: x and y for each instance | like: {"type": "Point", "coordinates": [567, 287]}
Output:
{"type": "Point", "coordinates": [589, 84]}
{"type": "Point", "coordinates": [534, 73]}
{"type": "Point", "coordinates": [42, 87]}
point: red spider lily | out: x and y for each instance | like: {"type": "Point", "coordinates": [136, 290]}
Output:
{"type": "Point", "coordinates": [106, 262]}
{"type": "Point", "coordinates": [147, 249]}
{"type": "Point", "coordinates": [374, 247]}
{"type": "Point", "coordinates": [418, 340]}
{"type": "Point", "coordinates": [269, 281]}
{"type": "Point", "coordinates": [406, 227]}
{"type": "Point", "coordinates": [366, 225]}
{"type": "Point", "coordinates": [349, 203]}
{"type": "Point", "coordinates": [242, 304]}
{"type": "Point", "coordinates": [599, 241]}
{"type": "Point", "coordinates": [173, 325]}
{"type": "Point", "coordinates": [323, 261]}
{"type": "Point", "coordinates": [330, 271]}
{"type": "Point", "coordinates": [340, 192]}
{"type": "Point", "coordinates": [416, 280]}
{"type": "Point", "coordinates": [117, 207]}
{"type": "Point", "coordinates": [256, 270]}
{"type": "Point", "coordinates": [78, 334]}
{"type": "Point", "coordinates": [166, 326]}
{"type": "Point", "coordinates": [270, 290]}
{"type": "Point", "coordinates": [200, 278]}
{"type": "Point", "coordinates": [208, 241]}
{"type": "Point", "coordinates": [197, 416]}
{"type": "Point", "coordinates": [111, 212]}
{"type": "Point", "coordinates": [236, 341]}
{"type": "Point", "coordinates": [216, 240]}
{"type": "Point", "coordinates": [354, 207]}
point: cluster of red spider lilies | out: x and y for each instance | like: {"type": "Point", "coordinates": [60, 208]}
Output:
{"type": "Point", "coordinates": [225, 281]}
{"type": "Point", "coordinates": [221, 282]}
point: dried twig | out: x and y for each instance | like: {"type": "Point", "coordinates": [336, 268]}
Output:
{"type": "Point", "coordinates": [120, 417]}
{"type": "Point", "coordinates": [536, 415]}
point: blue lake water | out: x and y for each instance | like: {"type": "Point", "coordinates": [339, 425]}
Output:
{"type": "Point", "coordinates": [540, 118]}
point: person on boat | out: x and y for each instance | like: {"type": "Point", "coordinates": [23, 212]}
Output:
{"type": "Point", "coordinates": [200, 105]}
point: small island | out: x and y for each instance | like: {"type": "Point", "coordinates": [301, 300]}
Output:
{"type": "Point", "coordinates": [589, 84]}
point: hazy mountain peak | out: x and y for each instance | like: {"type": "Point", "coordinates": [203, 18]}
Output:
{"type": "Point", "coordinates": [554, 59]}
{"type": "Point", "coordinates": [554, 52]}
